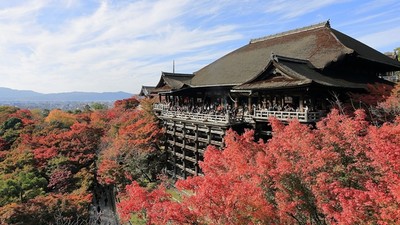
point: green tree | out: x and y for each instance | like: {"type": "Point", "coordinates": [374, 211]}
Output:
{"type": "Point", "coordinates": [10, 130]}
{"type": "Point", "coordinates": [98, 106]}
{"type": "Point", "coordinates": [20, 179]}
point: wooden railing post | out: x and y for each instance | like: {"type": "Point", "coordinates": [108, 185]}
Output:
{"type": "Point", "coordinates": [226, 119]}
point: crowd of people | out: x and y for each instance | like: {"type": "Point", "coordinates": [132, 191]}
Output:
{"type": "Point", "coordinates": [242, 110]}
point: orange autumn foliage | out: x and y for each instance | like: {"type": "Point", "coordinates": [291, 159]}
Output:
{"type": "Point", "coordinates": [130, 146]}
{"type": "Point", "coordinates": [345, 171]}
{"type": "Point", "coordinates": [61, 117]}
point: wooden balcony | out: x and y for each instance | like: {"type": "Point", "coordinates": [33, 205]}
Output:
{"type": "Point", "coordinates": [304, 117]}
{"type": "Point", "coordinates": [163, 111]}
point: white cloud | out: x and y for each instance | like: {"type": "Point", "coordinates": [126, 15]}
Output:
{"type": "Point", "coordinates": [110, 45]}
{"type": "Point", "coordinates": [117, 47]}
{"type": "Point", "coordinates": [383, 39]}
{"type": "Point", "coordinates": [369, 6]}
{"type": "Point", "coordinates": [288, 9]}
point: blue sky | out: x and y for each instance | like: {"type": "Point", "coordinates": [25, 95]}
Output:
{"type": "Point", "coordinates": [118, 45]}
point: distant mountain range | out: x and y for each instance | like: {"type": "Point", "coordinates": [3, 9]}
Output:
{"type": "Point", "coordinates": [7, 94]}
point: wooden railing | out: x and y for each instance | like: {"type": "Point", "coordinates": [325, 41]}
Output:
{"type": "Point", "coordinates": [196, 116]}
{"type": "Point", "coordinates": [160, 107]}
{"type": "Point", "coordinates": [286, 116]}
{"type": "Point", "coordinates": [306, 117]}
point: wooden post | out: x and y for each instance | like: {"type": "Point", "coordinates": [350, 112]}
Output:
{"type": "Point", "coordinates": [196, 148]}
{"type": "Point", "coordinates": [209, 135]}
{"type": "Point", "coordinates": [236, 103]}
{"type": "Point", "coordinates": [249, 106]}
{"type": "Point", "coordinates": [323, 104]}
{"type": "Point", "coordinates": [166, 144]}
{"type": "Point", "coordinates": [223, 139]}
{"type": "Point", "coordinates": [271, 100]}
{"type": "Point", "coordinates": [301, 103]}
{"type": "Point", "coordinates": [184, 150]}
{"type": "Point", "coordinates": [174, 150]}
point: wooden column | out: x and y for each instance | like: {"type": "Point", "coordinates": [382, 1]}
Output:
{"type": "Point", "coordinates": [166, 144]}
{"type": "Point", "coordinates": [236, 102]}
{"type": "Point", "coordinates": [271, 100]}
{"type": "Point", "coordinates": [323, 104]}
{"type": "Point", "coordinates": [249, 106]}
{"type": "Point", "coordinates": [301, 103]}
{"type": "Point", "coordinates": [184, 150]}
{"type": "Point", "coordinates": [223, 139]}
{"type": "Point", "coordinates": [209, 135]}
{"type": "Point", "coordinates": [196, 148]}
{"type": "Point", "coordinates": [174, 150]}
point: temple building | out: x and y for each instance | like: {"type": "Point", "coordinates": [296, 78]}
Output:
{"type": "Point", "coordinates": [147, 92]}
{"type": "Point", "coordinates": [291, 75]}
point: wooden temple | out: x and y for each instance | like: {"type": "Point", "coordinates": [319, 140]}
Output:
{"type": "Point", "coordinates": [147, 91]}
{"type": "Point", "coordinates": [290, 75]}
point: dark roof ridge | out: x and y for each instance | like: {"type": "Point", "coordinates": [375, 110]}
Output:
{"type": "Point", "coordinates": [175, 74]}
{"type": "Point", "coordinates": [294, 31]}
{"type": "Point", "coordinates": [276, 58]}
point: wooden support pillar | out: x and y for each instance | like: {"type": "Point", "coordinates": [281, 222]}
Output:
{"type": "Point", "coordinates": [223, 139]}
{"type": "Point", "coordinates": [209, 135]}
{"type": "Point", "coordinates": [312, 102]}
{"type": "Point", "coordinates": [174, 150]}
{"type": "Point", "coordinates": [236, 102]}
{"type": "Point", "coordinates": [301, 103]}
{"type": "Point", "coordinates": [323, 104]}
{"type": "Point", "coordinates": [271, 100]}
{"type": "Point", "coordinates": [166, 144]}
{"type": "Point", "coordinates": [249, 106]}
{"type": "Point", "coordinates": [196, 149]}
{"type": "Point", "coordinates": [184, 150]}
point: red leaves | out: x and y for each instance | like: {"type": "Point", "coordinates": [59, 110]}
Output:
{"type": "Point", "coordinates": [108, 172]}
{"type": "Point", "coordinates": [140, 133]}
{"type": "Point", "coordinates": [49, 209]}
{"type": "Point", "coordinates": [25, 115]}
{"type": "Point", "coordinates": [131, 142]}
{"type": "Point", "coordinates": [226, 199]}
{"type": "Point", "coordinates": [43, 154]}
{"type": "Point", "coordinates": [346, 171]}
{"type": "Point", "coordinates": [77, 144]}
{"type": "Point", "coordinates": [80, 143]}
{"type": "Point", "coordinates": [156, 206]}
{"type": "Point", "coordinates": [128, 103]}
{"type": "Point", "coordinates": [391, 106]}
{"type": "Point", "coordinates": [385, 187]}
{"type": "Point", "coordinates": [376, 94]}
{"type": "Point", "coordinates": [60, 180]}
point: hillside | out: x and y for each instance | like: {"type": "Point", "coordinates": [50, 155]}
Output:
{"type": "Point", "coordinates": [7, 94]}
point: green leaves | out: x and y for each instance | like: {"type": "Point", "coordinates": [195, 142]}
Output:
{"type": "Point", "coordinates": [21, 185]}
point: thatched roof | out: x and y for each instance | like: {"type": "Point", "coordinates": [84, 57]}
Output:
{"type": "Point", "coordinates": [284, 72]}
{"type": "Point", "coordinates": [172, 81]}
{"type": "Point", "coordinates": [146, 90]}
{"type": "Point", "coordinates": [319, 44]}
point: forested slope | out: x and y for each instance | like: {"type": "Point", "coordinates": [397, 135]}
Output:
{"type": "Point", "coordinates": [55, 166]}
{"type": "Point", "coordinates": [52, 162]}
